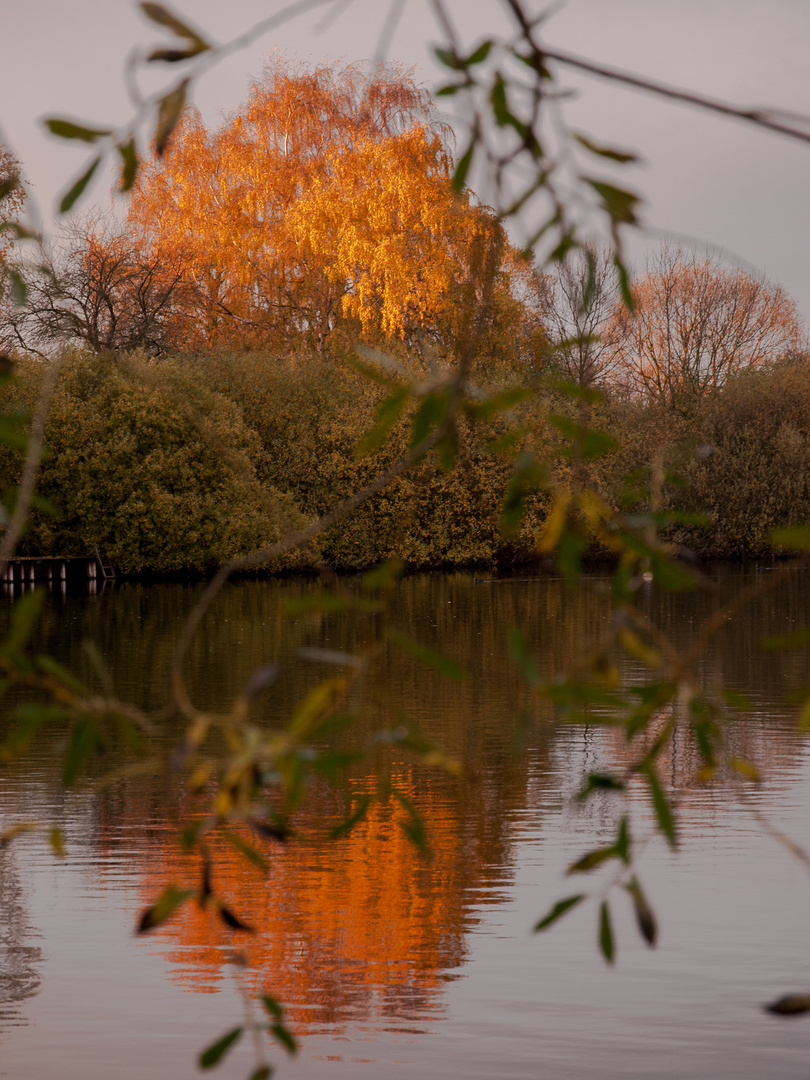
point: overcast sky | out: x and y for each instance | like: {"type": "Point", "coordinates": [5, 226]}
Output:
{"type": "Point", "coordinates": [720, 182]}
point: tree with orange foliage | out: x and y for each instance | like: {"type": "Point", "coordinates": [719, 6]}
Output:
{"type": "Point", "coordinates": [325, 201]}
{"type": "Point", "coordinates": [695, 323]}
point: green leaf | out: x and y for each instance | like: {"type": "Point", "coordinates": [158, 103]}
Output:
{"type": "Point", "coordinates": [355, 817]}
{"type": "Point", "coordinates": [592, 860]}
{"type": "Point", "coordinates": [735, 700]}
{"type": "Point", "coordinates": [84, 739]}
{"type": "Point", "coordinates": [161, 15]}
{"type": "Point", "coordinates": [19, 290]}
{"type": "Point", "coordinates": [67, 129]}
{"type": "Point", "coordinates": [589, 443]}
{"type": "Point", "coordinates": [599, 782]}
{"type": "Point", "coordinates": [384, 575]}
{"type": "Point", "coordinates": [527, 476]}
{"type": "Point", "coordinates": [232, 921]}
{"type": "Point", "coordinates": [430, 413]}
{"type": "Point", "coordinates": [248, 851]}
{"type": "Point", "coordinates": [644, 913]}
{"type": "Point", "coordinates": [534, 60]}
{"type": "Point", "coordinates": [413, 826]}
{"type": "Point", "coordinates": [438, 661]}
{"type": "Point", "coordinates": [77, 188]}
{"type": "Point", "coordinates": [790, 1005]}
{"type": "Point", "coordinates": [578, 692]}
{"type": "Point", "coordinates": [804, 717]}
{"type": "Point", "coordinates": [497, 97]}
{"type": "Point", "coordinates": [663, 811]}
{"type": "Point", "coordinates": [590, 284]}
{"type": "Point", "coordinates": [166, 904]}
{"type": "Point", "coordinates": [334, 764]}
{"type": "Point", "coordinates": [328, 602]}
{"type": "Point", "coordinates": [48, 666]}
{"type": "Point", "coordinates": [191, 834]}
{"type": "Point", "coordinates": [273, 1007]}
{"type": "Point", "coordinates": [449, 59]}
{"type": "Point", "coordinates": [388, 412]}
{"type": "Point", "coordinates": [746, 769]}
{"type": "Point", "coordinates": [463, 166]}
{"type": "Point", "coordinates": [566, 244]}
{"type": "Point", "coordinates": [170, 109]}
{"type": "Point", "coordinates": [29, 717]}
{"type": "Point", "coordinates": [100, 669]}
{"type": "Point", "coordinates": [11, 183]}
{"type": "Point", "coordinates": [449, 89]}
{"type": "Point", "coordinates": [624, 283]}
{"type": "Point", "coordinates": [173, 56]}
{"type": "Point", "coordinates": [129, 164]}
{"type": "Point", "coordinates": [217, 1051]}
{"type": "Point", "coordinates": [479, 55]}
{"type": "Point", "coordinates": [56, 838]}
{"type": "Point", "coordinates": [785, 641]}
{"type": "Point", "coordinates": [523, 656]}
{"type": "Point", "coordinates": [20, 231]}
{"type": "Point", "coordinates": [285, 1037]}
{"type": "Point", "coordinates": [619, 204]}
{"type": "Point", "coordinates": [796, 538]}
{"type": "Point", "coordinates": [570, 551]}
{"type": "Point", "coordinates": [24, 617]}
{"type": "Point", "coordinates": [606, 943]}
{"type": "Point", "coordinates": [264, 1072]}
{"type": "Point", "coordinates": [622, 156]}
{"type": "Point", "coordinates": [623, 841]}
{"type": "Point", "coordinates": [558, 911]}
{"type": "Point", "coordinates": [496, 403]}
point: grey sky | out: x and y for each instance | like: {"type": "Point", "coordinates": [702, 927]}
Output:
{"type": "Point", "coordinates": [719, 182]}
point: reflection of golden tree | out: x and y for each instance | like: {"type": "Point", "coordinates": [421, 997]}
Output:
{"type": "Point", "coordinates": [359, 924]}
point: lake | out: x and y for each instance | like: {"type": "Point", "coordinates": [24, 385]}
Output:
{"type": "Point", "coordinates": [389, 964]}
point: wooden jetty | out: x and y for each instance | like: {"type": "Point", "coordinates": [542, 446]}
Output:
{"type": "Point", "coordinates": [30, 570]}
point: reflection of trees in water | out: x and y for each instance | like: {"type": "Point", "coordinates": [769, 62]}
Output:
{"type": "Point", "coordinates": [358, 928]}
{"type": "Point", "coordinates": [19, 978]}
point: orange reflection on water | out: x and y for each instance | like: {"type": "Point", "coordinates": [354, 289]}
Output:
{"type": "Point", "coordinates": [360, 927]}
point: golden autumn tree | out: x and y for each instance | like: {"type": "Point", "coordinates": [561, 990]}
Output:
{"type": "Point", "coordinates": [695, 323]}
{"type": "Point", "coordinates": [325, 202]}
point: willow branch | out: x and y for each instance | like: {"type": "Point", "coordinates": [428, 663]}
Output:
{"type": "Point", "coordinates": [29, 474]}
{"type": "Point", "coordinates": [764, 118]}
{"type": "Point", "coordinates": [291, 542]}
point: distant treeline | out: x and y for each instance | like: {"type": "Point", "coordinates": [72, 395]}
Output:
{"type": "Point", "coordinates": [175, 465]}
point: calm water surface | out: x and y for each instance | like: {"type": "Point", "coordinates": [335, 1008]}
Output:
{"type": "Point", "coordinates": [390, 966]}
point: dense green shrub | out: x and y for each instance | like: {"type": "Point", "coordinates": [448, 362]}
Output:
{"type": "Point", "coordinates": [753, 474]}
{"type": "Point", "coordinates": [310, 418]}
{"type": "Point", "coordinates": [183, 463]}
{"type": "Point", "coordinates": [153, 466]}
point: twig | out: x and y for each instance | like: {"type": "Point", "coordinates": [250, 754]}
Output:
{"type": "Point", "coordinates": [764, 118]}
{"type": "Point", "coordinates": [33, 457]}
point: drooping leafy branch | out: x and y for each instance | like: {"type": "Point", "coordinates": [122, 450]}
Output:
{"type": "Point", "coordinates": [258, 780]}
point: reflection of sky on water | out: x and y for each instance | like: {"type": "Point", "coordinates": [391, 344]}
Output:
{"type": "Point", "coordinates": [426, 969]}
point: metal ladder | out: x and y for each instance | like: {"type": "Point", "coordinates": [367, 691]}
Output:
{"type": "Point", "coordinates": [106, 567]}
